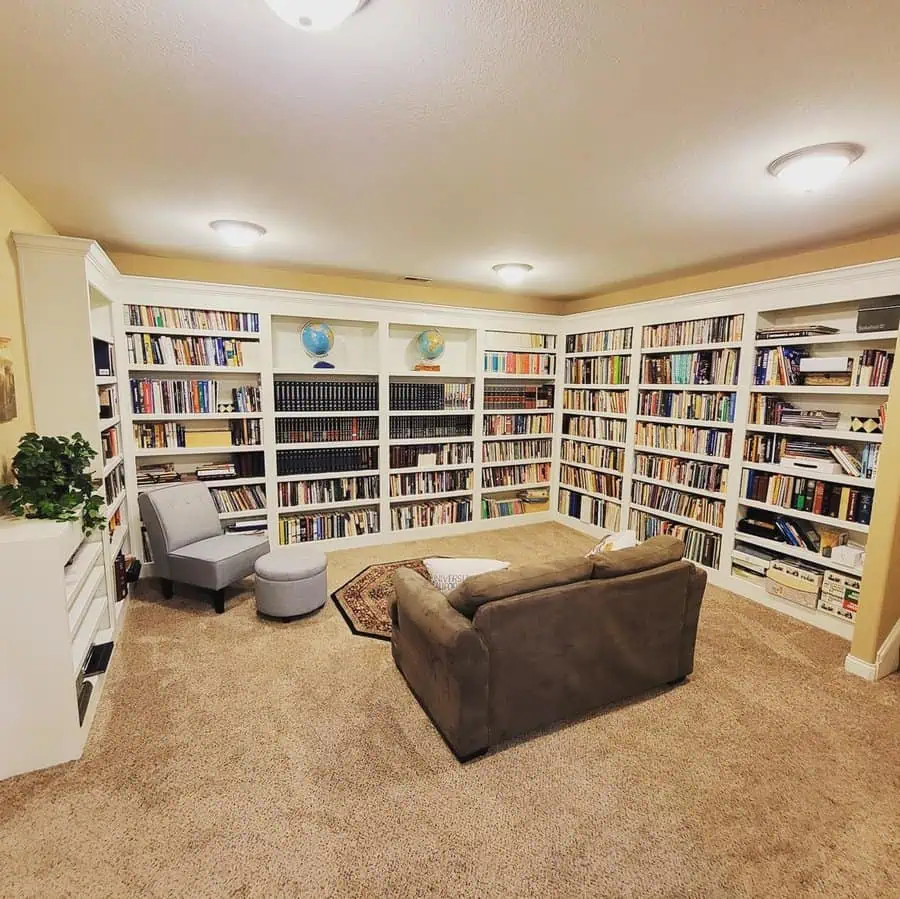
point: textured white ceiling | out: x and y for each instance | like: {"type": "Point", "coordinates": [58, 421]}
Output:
{"type": "Point", "coordinates": [600, 140]}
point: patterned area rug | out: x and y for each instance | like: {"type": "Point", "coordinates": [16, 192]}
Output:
{"type": "Point", "coordinates": [363, 600]}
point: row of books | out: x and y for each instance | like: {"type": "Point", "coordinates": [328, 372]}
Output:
{"type": "Point", "coordinates": [431, 513]}
{"type": "Point", "coordinates": [110, 444]}
{"type": "Point", "coordinates": [721, 329]}
{"type": "Point", "coordinates": [326, 396]}
{"type": "Point", "coordinates": [509, 425]}
{"type": "Point", "coordinates": [497, 362]}
{"type": "Point", "coordinates": [423, 483]}
{"type": "Point", "coordinates": [700, 367]}
{"type": "Point", "coordinates": [600, 370]}
{"type": "Point", "coordinates": [592, 481]}
{"type": "Point", "coordinates": [431, 396]}
{"type": "Point", "coordinates": [502, 507]}
{"type": "Point", "coordinates": [328, 490]}
{"type": "Point", "coordinates": [700, 546]}
{"type": "Point", "coordinates": [827, 458]}
{"type": "Point", "coordinates": [701, 406]}
{"type": "Point", "coordinates": [611, 402]}
{"type": "Point", "coordinates": [194, 319]}
{"type": "Point", "coordinates": [154, 349]}
{"type": "Point", "coordinates": [684, 439]}
{"type": "Point", "coordinates": [152, 396]}
{"type": "Point", "coordinates": [589, 509]}
{"type": "Point", "coordinates": [107, 401]}
{"type": "Point", "coordinates": [246, 432]}
{"type": "Point", "coordinates": [518, 396]}
{"type": "Point", "coordinates": [808, 495]}
{"type": "Point", "coordinates": [517, 340]}
{"type": "Point", "coordinates": [427, 454]}
{"type": "Point", "coordinates": [320, 461]}
{"type": "Point", "coordinates": [595, 428]}
{"type": "Point", "coordinates": [239, 499]}
{"type": "Point", "coordinates": [325, 430]}
{"type": "Point", "coordinates": [327, 525]}
{"type": "Point", "coordinates": [778, 366]}
{"type": "Point", "coordinates": [872, 368]}
{"type": "Point", "coordinates": [781, 529]}
{"type": "Point", "coordinates": [511, 450]}
{"type": "Point", "coordinates": [114, 484]}
{"type": "Point", "coordinates": [412, 427]}
{"type": "Point", "coordinates": [770, 410]}
{"type": "Point", "coordinates": [514, 475]}
{"type": "Point", "coordinates": [678, 502]}
{"type": "Point", "coordinates": [158, 436]}
{"type": "Point", "coordinates": [687, 472]}
{"type": "Point", "coordinates": [599, 341]}
{"type": "Point", "coordinates": [593, 454]}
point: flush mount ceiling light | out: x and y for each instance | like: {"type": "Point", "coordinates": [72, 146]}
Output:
{"type": "Point", "coordinates": [813, 168]}
{"type": "Point", "coordinates": [237, 234]}
{"type": "Point", "coordinates": [315, 15]}
{"type": "Point", "coordinates": [513, 273]}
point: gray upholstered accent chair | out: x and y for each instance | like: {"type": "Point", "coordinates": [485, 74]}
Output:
{"type": "Point", "coordinates": [188, 542]}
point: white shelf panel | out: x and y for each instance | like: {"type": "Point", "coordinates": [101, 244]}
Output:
{"type": "Point", "coordinates": [676, 486]}
{"type": "Point", "coordinates": [115, 505]}
{"type": "Point", "coordinates": [680, 519]}
{"type": "Point", "coordinates": [428, 441]}
{"type": "Point", "coordinates": [119, 538]}
{"type": "Point", "coordinates": [796, 552]}
{"type": "Point", "coordinates": [195, 416]}
{"type": "Point", "coordinates": [196, 369]}
{"type": "Point", "coordinates": [400, 413]}
{"type": "Point", "coordinates": [86, 630]}
{"type": "Point", "coordinates": [690, 348]}
{"type": "Point", "coordinates": [680, 454]}
{"type": "Point", "coordinates": [434, 375]}
{"type": "Point", "coordinates": [243, 513]}
{"type": "Point", "coordinates": [596, 386]}
{"type": "Point", "coordinates": [708, 388]}
{"type": "Point", "coordinates": [595, 440]}
{"type": "Point", "coordinates": [512, 487]}
{"type": "Point", "coordinates": [107, 423]}
{"type": "Point", "coordinates": [80, 567]}
{"type": "Point", "coordinates": [583, 492]}
{"type": "Point", "coordinates": [514, 462]}
{"type": "Point", "coordinates": [424, 497]}
{"type": "Point", "coordinates": [847, 479]}
{"type": "Point", "coordinates": [200, 451]}
{"type": "Point", "coordinates": [846, 337]}
{"type": "Point", "coordinates": [834, 436]}
{"type": "Point", "coordinates": [520, 352]}
{"type": "Point", "coordinates": [598, 354]}
{"type": "Point", "coordinates": [326, 444]}
{"type": "Point", "coordinates": [110, 467]}
{"type": "Point", "coordinates": [688, 422]}
{"type": "Point", "coordinates": [194, 332]}
{"type": "Point", "coordinates": [325, 372]}
{"type": "Point", "coordinates": [85, 598]}
{"type": "Point", "coordinates": [495, 376]}
{"type": "Point", "coordinates": [341, 413]}
{"type": "Point", "coordinates": [318, 507]}
{"type": "Point", "coordinates": [218, 482]}
{"type": "Point", "coordinates": [494, 437]}
{"type": "Point", "coordinates": [546, 411]}
{"type": "Point", "coordinates": [837, 523]}
{"type": "Point", "coordinates": [833, 391]}
{"type": "Point", "coordinates": [105, 380]}
{"type": "Point", "coordinates": [327, 476]}
{"type": "Point", "coordinates": [612, 471]}
{"type": "Point", "coordinates": [454, 467]}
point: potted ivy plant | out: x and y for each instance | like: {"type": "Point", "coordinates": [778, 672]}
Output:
{"type": "Point", "coordinates": [53, 481]}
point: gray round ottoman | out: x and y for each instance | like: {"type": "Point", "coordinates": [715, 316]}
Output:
{"type": "Point", "coordinates": [290, 582]}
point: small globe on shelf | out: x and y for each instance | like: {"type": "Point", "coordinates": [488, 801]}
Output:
{"type": "Point", "coordinates": [317, 340]}
{"type": "Point", "coordinates": [431, 346]}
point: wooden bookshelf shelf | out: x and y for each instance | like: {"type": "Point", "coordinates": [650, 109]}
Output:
{"type": "Point", "coordinates": [571, 386]}
{"type": "Point", "coordinates": [425, 497]}
{"type": "Point", "coordinates": [196, 369]}
{"type": "Point", "coordinates": [110, 466]}
{"type": "Point", "coordinates": [497, 376]}
{"type": "Point", "coordinates": [200, 451]}
{"type": "Point", "coordinates": [680, 454]}
{"type": "Point", "coordinates": [687, 422]}
{"type": "Point", "coordinates": [196, 416]}
{"type": "Point", "coordinates": [708, 388]}
{"type": "Point", "coordinates": [243, 513]}
{"type": "Point", "coordinates": [594, 440]}
{"type": "Point", "coordinates": [847, 479]}
{"type": "Point", "coordinates": [846, 337]}
{"type": "Point", "coordinates": [680, 519]}
{"type": "Point", "coordinates": [115, 505]}
{"type": "Point", "coordinates": [107, 423]}
{"type": "Point", "coordinates": [326, 444]}
{"type": "Point", "coordinates": [428, 441]}
{"type": "Point", "coordinates": [516, 487]}
{"type": "Point", "coordinates": [495, 437]}
{"type": "Point", "coordinates": [690, 348]}
{"type": "Point", "coordinates": [833, 436]}
{"type": "Point", "coordinates": [583, 492]}
{"type": "Point", "coordinates": [598, 355]}
{"type": "Point", "coordinates": [623, 416]}
{"type": "Point", "coordinates": [514, 462]}
{"type": "Point", "coordinates": [584, 465]}
{"type": "Point", "coordinates": [400, 413]}
{"type": "Point", "coordinates": [795, 552]}
{"type": "Point", "coordinates": [318, 507]}
{"type": "Point", "coordinates": [674, 485]}
{"type": "Point", "coordinates": [218, 482]}
{"type": "Point", "coordinates": [834, 391]}
{"type": "Point", "coordinates": [285, 478]}
{"type": "Point", "coordinates": [838, 523]}
{"type": "Point", "coordinates": [194, 332]}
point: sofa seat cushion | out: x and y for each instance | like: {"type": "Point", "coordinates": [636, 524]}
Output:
{"type": "Point", "coordinates": [474, 592]}
{"type": "Point", "coordinates": [652, 553]}
{"type": "Point", "coordinates": [217, 561]}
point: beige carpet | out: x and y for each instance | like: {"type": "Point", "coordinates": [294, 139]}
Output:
{"type": "Point", "coordinates": [234, 757]}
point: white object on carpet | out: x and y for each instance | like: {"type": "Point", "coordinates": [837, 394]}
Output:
{"type": "Point", "coordinates": [447, 574]}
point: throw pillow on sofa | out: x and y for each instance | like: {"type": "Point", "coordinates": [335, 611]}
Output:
{"type": "Point", "coordinates": [448, 574]}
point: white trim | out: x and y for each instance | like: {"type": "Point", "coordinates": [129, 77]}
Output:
{"type": "Point", "coordinates": [853, 665]}
{"type": "Point", "coordinates": [887, 660]}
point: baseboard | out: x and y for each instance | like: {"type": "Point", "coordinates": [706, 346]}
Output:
{"type": "Point", "coordinates": [887, 661]}
{"type": "Point", "coordinates": [865, 670]}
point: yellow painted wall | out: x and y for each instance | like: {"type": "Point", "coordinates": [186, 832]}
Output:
{"type": "Point", "coordinates": [220, 272]}
{"type": "Point", "coordinates": [873, 249]}
{"type": "Point", "coordinates": [16, 214]}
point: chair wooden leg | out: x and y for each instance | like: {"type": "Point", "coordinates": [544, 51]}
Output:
{"type": "Point", "coordinates": [219, 601]}
{"type": "Point", "coordinates": [167, 587]}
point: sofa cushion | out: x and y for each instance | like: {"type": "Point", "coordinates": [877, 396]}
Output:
{"type": "Point", "coordinates": [473, 593]}
{"type": "Point", "coordinates": [446, 574]}
{"type": "Point", "coordinates": [652, 553]}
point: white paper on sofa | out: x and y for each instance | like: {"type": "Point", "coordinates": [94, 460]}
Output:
{"type": "Point", "coordinates": [619, 540]}
{"type": "Point", "coordinates": [448, 574]}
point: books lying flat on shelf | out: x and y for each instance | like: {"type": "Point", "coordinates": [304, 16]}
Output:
{"type": "Point", "coordinates": [216, 472]}
{"type": "Point", "coordinates": [247, 526]}
{"type": "Point", "coordinates": [770, 410]}
{"type": "Point", "coordinates": [753, 558]}
{"type": "Point", "coordinates": [787, 331]}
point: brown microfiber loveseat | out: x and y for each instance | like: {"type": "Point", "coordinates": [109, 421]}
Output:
{"type": "Point", "coordinates": [513, 651]}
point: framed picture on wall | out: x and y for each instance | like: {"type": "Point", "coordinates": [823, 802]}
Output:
{"type": "Point", "coordinates": [7, 383]}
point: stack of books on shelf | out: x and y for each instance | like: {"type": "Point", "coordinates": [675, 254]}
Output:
{"type": "Point", "coordinates": [327, 525]}
{"type": "Point", "coordinates": [684, 439]}
{"type": "Point", "coordinates": [421, 396]}
{"type": "Point", "coordinates": [193, 319]}
{"type": "Point", "coordinates": [515, 475]}
{"type": "Point", "coordinates": [811, 455]}
{"type": "Point", "coordinates": [700, 546]}
{"type": "Point", "coordinates": [678, 502]}
{"type": "Point", "coordinates": [248, 526]}
{"type": "Point", "coordinates": [688, 404]}
{"type": "Point", "coordinates": [808, 495]}
{"type": "Point", "coordinates": [721, 329]}
{"type": "Point", "coordinates": [751, 563]}
{"type": "Point", "coordinates": [413, 427]}
{"type": "Point", "coordinates": [518, 396]}
{"type": "Point", "coordinates": [785, 332]}
{"type": "Point", "coordinates": [610, 402]}
{"type": "Point", "coordinates": [429, 454]}
{"type": "Point", "coordinates": [239, 499]}
{"type": "Point", "coordinates": [154, 349]}
{"type": "Point", "coordinates": [769, 410]}
{"type": "Point", "coordinates": [689, 473]}
{"type": "Point", "coordinates": [321, 461]}
{"type": "Point", "coordinates": [324, 430]}
{"type": "Point", "coordinates": [326, 396]}
{"type": "Point", "coordinates": [519, 363]}
{"type": "Point", "coordinates": [511, 425]}
{"type": "Point", "coordinates": [218, 471]}
{"type": "Point", "coordinates": [430, 513]}
{"type": "Point", "coordinates": [588, 509]}
{"type": "Point", "coordinates": [511, 450]}
{"type": "Point", "coordinates": [797, 532]}
{"type": "Point", "coordinates": [593, 454]}
{"type": "Point", "coordinates": [593, 481]}
{"type": "Point", "coordinates": [600, 370]}
{"type": "Point", "coordinates": [613, 429]}
{"type": "Point", "coordinates": [599, 341]}
{"type": "Point", "coordinates": [328, 490]}
{"type": "Point", "coordinates": [413, 484]}
{"type": "Point", "coordinates": [698, 368]}
{"type": "Point", "coordinates": [149, 475]}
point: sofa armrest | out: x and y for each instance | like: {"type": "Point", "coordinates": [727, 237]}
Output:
{"type": "Point", "coordinates": [444, 660]}
{"type": "Point", "coordinates": [696, 587]}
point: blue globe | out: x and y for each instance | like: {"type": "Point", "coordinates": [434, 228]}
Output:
{"type": "Point", "coordinates": [317, 339]}
{"type": "Point", "coordinates": [430, 344]}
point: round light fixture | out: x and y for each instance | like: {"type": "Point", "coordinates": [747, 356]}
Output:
{"type": "Point", "coordinates": [513, 273]}
{"type": "Point", "coordinates": [238, 234]}
{"type": "Point", "coordinates": [813, 168]}
{"type": "Point", "coordinates": [315, 15]}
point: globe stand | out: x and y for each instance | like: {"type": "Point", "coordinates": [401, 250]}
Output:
{"type": "Point", "coordinates": [323, 364]}
{"type": "Point", "coordinates": [427, 366]}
